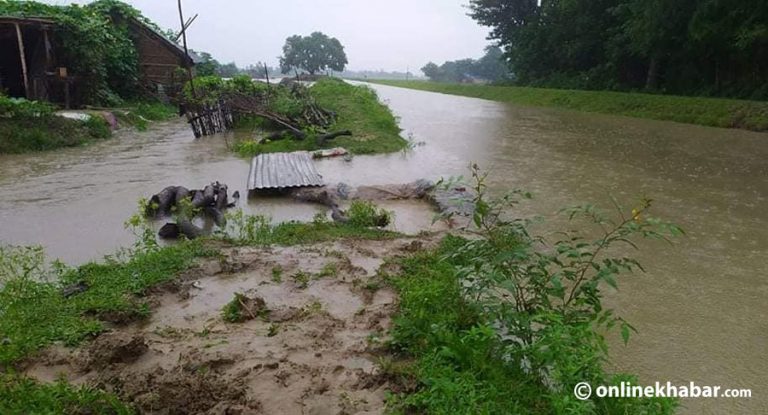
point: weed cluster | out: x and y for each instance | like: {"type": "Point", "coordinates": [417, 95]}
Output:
{"type": "Point", "coordinates": [364, 213]}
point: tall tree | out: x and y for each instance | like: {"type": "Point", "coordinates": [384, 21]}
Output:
{"type": "Point", "coordinates": [314, 53]}
{"type": "Point", "coordinates": [714, 47]}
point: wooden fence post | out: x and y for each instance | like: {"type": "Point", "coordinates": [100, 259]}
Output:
{"type": "Point", "coordinates": [23, 56]}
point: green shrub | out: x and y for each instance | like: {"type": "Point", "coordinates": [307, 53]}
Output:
{"type": "Point", "coordinates": [364, 213]}
{"type": "Point", "coordinates": [503, 311]}
{"type": "Point", "coordinates": [22, 108]}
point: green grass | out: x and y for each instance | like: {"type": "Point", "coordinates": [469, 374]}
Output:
{"type": "Point", "coordinates": [35, 314]}
{"type": "Point", "coordinates": [359, 110]}
{"type": "Point", "coordinates": [257, 231]}
{"type": "Point", "coordinates": [139, 114]}
{"type": "Point", "coordinates": [19, 395]}
{"type": "Point", "coordinates": [26, 133]}
{"type": "Point", "coordinates": [713, 112]}
{"type": "Point", "coordinates": [155, 111]}
{"type": "Point", "coordinates": [456, 361]}
{"type": "Point", "coordinates": [29, 134]}
{"type": "Point", "coordinates": [450, 359]}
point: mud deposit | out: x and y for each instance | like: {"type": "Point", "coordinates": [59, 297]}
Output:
{"type": "Point", "coordinates": [311, 347]}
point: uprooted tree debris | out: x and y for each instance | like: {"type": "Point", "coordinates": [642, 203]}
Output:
{"type": "Point", "coordinates": [185, 204]}
{"type": "Point", "coordinates": [214, 106]}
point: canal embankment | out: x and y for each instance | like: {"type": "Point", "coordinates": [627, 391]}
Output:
{"type": "Point", "coordinates": [712, 112]}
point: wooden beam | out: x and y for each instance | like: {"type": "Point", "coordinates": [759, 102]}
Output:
{"type": "Point", "coordinates": [23, 56]}
{"type": "Point", "coordinates": [47, 45]}
{"type": "Point", "coordinates": [186, 52]}
{"type": "Point", "coordinates": [184, 29]}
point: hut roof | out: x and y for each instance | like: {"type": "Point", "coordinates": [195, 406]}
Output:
{"type": "Point", "coordinates": [36, 21]}
{"type": "Point", "coordinates": [172, 46]}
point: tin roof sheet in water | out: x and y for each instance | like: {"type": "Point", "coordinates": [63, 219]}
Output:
{"type": "Point", "coordinates": [281, 170]}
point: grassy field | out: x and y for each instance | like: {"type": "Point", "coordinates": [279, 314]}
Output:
{"type": "Point", "coordinates": [359, 110]}
{"type": "Point", "coordinates": [713, 112]}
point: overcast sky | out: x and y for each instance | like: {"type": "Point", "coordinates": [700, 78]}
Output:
{"type": "Point", "coordinates": [377, 34]}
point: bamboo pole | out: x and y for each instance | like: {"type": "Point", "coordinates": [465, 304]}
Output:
{"type": "Point", "coordinates": [186, 51]}
{"type": "Point", "coordinates": [23, 56]}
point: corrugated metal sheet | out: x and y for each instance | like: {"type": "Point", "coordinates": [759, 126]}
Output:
{"type": "Point", "coordinates": [281, 170]}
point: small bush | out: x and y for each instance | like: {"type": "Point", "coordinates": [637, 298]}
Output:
{"type": "Point", "coordinates": [363, 213]}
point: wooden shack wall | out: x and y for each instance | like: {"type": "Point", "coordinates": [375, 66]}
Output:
{"type": "Point", "coordinates": [157, 62]}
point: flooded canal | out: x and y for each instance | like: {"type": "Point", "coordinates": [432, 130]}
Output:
{"type": "Point", "coordinates": [700, 310]}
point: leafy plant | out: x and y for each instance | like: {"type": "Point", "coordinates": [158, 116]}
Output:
{"type": "Point", "coordinates": [549, 297]}
{"type": "Point", "coordinates": [364, 213]}
{"type": "Point", "coordinates": [506, 307]}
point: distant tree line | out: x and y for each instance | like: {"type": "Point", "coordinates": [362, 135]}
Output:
{"type": "Point", "coordinates": [311, 54]}
{"type": "Point", "coordinates": [379, 74]}
{"type": "Point", "coordinates": [206, 65]}
{"type": "Point", "coordinates": [703, 47]}
{"type": "Point", "coordinates": [491, 67]}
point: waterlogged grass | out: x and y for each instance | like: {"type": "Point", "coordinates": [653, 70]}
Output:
{"type": "Point", "coordinates": [35, 313]}
{"type": "Point", "coordinates": [139, 114]}
{"type": "Point", "coordinates": [48, 132]}
{"type": "Point", "coordinates": [713, 112]}
{"type": "Point", "coordinates": [19, 395]}
{"type": "Point", "coordinates": [258, 231]}
{"type": "Point", "coordinates": [453, 362]}
{"type": "Point", "coordinates": [358, 109]}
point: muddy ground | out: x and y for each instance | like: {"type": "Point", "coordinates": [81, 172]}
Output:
{"type": "Point", "coordinates": [311, 346]}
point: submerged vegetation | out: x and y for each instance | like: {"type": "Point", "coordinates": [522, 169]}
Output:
{"type": "Point", "coordinates": [713, 112]}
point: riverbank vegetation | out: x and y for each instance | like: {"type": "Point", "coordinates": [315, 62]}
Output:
{"type": "Point", "coordinates": [95, 45]}
{"type": "Point", "coordinates": [712, 112]}
{"type": "Point", "coordinates": [42, 303]}
{"type": "Point", "coordinates": [501, 322]}
{"type": "Point", "coordinates": [508, 323]}
{"type": "Point", "coordinates": [28, 126]}
{"type": "Point", "coordinates": [699, 47]}
{"type": "Point", "coordinates": [31, 126]}
{"type": "Point", "coordinates": [356, 109]}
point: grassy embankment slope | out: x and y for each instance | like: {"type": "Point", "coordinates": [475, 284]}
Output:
{"type": "Point", "coordinates": [31, 126]}
{"type": "Point", "coordinates": [358, 109]}
{"type": "Point", "coordinates": [713, 112]}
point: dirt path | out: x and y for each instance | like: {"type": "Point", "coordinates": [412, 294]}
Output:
{"type": "Point", "coordinates": [312, 348]}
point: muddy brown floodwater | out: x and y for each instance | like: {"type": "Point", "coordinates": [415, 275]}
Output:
{"type": "Point", "coordinates": [700, 308]}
